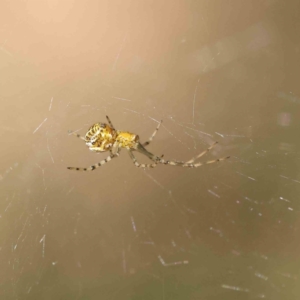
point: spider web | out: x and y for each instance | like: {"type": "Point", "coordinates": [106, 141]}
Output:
{"type": "Point", "coordinates": [211, 72]}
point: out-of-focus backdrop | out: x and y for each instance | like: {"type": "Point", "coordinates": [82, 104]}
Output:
{"type": "Point", "coordinates": [225, 71]}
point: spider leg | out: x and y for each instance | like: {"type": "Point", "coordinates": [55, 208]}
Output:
{"type": "Point", "coordinates": [110, 123]}
{"type": "Point", "coordinates": [202, 153]}
{"type": "Point", "coordinates": [140, 148]}
{"type": "Point", "coordinates": [95, 166]}
{"type": "Point", "coordinates": [77, 135]}
{"type": "Point", "coordinates": [190, 165]}
{"type": "Point", "coordinates": [113, 153]}
{"type": "Point", "coordinates": [137, 164]}
{"type": "Point", "coordinates": [209, 162]}
{"type": "Point", "coordinates": [153, 135]}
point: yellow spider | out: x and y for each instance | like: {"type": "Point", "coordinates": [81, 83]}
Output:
{"type": "Point", "coordinates": [102, 137]}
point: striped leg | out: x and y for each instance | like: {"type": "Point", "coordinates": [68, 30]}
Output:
{"type": "Point", "coordinates": [110, 123]}
{"type": "Point", "coordinates": [153, 135]}
{"type": "Point", "coordinates": [141, 165]}
{"type": "Point", "coordinates": [96, 166]}
{"type": "Point", "coordinates": [202, 153]}
{"type": "Point", "coordinates": [77, 135]}
{"type": "Point", "coordinates": [211, 161]}
{"type": "Point", "coordinates": [113, 153]}
{"type": "Point", "coordinates": [190, 165]}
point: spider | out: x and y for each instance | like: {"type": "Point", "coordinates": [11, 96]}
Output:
{"type": "Point", "coordinates": [102, 137]}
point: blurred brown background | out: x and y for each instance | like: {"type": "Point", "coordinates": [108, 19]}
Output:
{"type": "Point", "coordinates": [212, 70]}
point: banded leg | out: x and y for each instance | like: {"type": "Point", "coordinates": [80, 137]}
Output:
{"type": "Point", "coordinates": [153, 135]}
{"type": "Point", "coordinates": [190, 165]}
{"type": "Point", "coordinates": [202, 153]}
{"type": "Point", "coordinates": [110, 123]}
{"type": "Point", "coordinates": [77, 135]}
{"type": "Point", "coordinates": [137, 164]}
{"type": "Point", "coordinates": [96, 166]}
{"type": "Point", "coordinates": [113, 153]}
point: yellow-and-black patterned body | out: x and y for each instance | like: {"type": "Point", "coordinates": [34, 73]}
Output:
{"type": "Point", "coordinates": [101, 137]}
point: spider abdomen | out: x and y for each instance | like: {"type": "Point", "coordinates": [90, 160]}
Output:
{"type": "Point", "coordinates": [100, 137]}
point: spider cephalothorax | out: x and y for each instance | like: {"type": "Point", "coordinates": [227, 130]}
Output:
{"type": "Point", "coordinates": [102, 137]}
